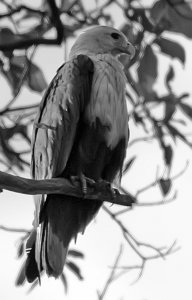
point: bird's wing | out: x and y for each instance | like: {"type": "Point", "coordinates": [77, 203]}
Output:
{"type": "Point", "coordinates": [57, 120]}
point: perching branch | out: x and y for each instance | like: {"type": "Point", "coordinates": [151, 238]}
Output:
{"type": "Point", "coordinates": [95, 190]}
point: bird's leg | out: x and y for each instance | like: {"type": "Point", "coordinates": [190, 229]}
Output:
{"type": "Point", "coordinates": [100, 184]}
{"type": "Point", "coordinates": [84, 182]}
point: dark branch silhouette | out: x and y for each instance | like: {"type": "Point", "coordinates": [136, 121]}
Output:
{"type": "Point", "coordinates": [95, 190]}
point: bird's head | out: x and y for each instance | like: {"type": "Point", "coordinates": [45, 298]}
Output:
{"type": "Point", "coordinates": [101, 40]}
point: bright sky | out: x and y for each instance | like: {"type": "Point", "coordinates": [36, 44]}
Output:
{"type": "Point", "coordinates": [160, 226]}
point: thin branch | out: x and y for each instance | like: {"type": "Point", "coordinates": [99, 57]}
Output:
{"type": "Point", "coordinates": [21, 108]}
{"type": "Point", "coordinates": [16, 230]}
{"type": "Point", "coordinates": [156, 181]}
{"type": "Point", "coordinates": [142, 139]}
{"type": "Point", "coordinates": [56, 21]}
{"type": "Point", "coordinates": [102, 294]}
{"type": "Point", "coordinates": [157, 203]}
{"type": "Point", "coordinates": [18, 9]}
{"type": "Point", "coordinates": [26, 43]}
{"type": "Point", "coordinates": [148, 204]}
{"type": "Point", "coordinates": [138, 246]}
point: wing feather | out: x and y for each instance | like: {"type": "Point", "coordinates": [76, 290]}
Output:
{"type": "Point", "coordinates": [57, 119]}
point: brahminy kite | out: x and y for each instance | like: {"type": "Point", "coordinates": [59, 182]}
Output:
{"type": "Point", "coordinates": [81, 129]}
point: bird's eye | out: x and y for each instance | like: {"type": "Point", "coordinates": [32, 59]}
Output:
{"type": "Point", "coordinates": [115, 35]}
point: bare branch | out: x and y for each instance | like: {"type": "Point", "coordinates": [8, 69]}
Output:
{"type": "Point", "coordinates": [95, 191]}
{"type": "Point", "coordinates": [18, 9]}
{"type": "Point", "coordinates": [16, 230]}
{"type": "Point", "coordinates": [156, 203]}
{"type": "Point", "coordinates": [20, 108]}
{"type": "Point", "coordinates": [156, 181]}
{"type": "Point", "coordinates": [101, 295]}
{"type": "Point", "coordinates": [139, 247]}
{"type": "Point", "coordinates": [26, 43]}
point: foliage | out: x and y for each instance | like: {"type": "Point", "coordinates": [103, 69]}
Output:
{"type": "Point", "coordinates": [149, 28]}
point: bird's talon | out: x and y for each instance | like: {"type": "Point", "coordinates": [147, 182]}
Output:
{"type": "Point", "coordinates": [90, 181]}
{"type": "Point", "coordinates": [83, 183]}
{"type": "Point", "coordinates": [74, 179]}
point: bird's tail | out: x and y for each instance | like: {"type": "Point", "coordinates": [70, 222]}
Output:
{"type": "Point", "coordinates": [61, 220]}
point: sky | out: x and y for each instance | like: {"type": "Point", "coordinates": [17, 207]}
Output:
{"type": "Point", "coordinates": [162, 279]}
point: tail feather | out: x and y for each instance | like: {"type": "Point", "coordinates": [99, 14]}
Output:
{"type": "Point", "coordinates": [31, 268]}
{"type": "Point", "coordinates": [61, 220]}
{"type": "Point", "coordinates": [55, 252]}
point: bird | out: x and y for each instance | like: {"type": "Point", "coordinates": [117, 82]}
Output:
{"type": "Point", "coordinates": [81, 130]}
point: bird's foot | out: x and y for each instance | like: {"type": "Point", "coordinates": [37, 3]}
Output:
{"type": "Point", "coordinates": [84, 182]}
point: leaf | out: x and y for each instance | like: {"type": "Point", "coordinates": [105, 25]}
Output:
{"type": "Point", "coordinates": [182, 8]}
{"type": "Point", "coordinates": [76, 253]}
{"type": "Point", "coordinates": [170, 107]}
{"type": "Point", "coordinates": [75, 269]}
{"type": "Point", "coordinates": [36, 80]}
{"type": "Point", "coordinates": [128, 164]}
{"type": "Point", "coordinates": [20, 250]}
{"type": "Point", "coordinates": [139, 15]}
{"type": "Point", "coordinates": [168, 154]}
{"type": "Point", "coordinates": [159, 132]}
{"type": "Point", "coordinates": [128, 30]}
{"type": "Point", "coordinates": [7, 36]}
{"type": "Point", "coordinates": [65, 4]}
{"type": "Point", "coordinates": [158, 10]}
{"type": "Point", "coordinates": [147, 71]}
{"type": "Point", "coordinates": [148, 65]}
{"type": "Point", "coordinates": [170, 75]}
{"type": "Point", "coordinates": [34, 77]}
{"type": "Point", "coordinates": [139, 120]}
{"type": "Point", "coordinates": [64, 281]}
{"type": "Point", "coordinates": [173, 16]}
{"type": "Point", "coordinates": [176, 133]}
{"type": "Point", "coordinates": [21, 278]}
{"type": "Point", "coordinates": [15, 72]}
{"type": "Point", "coordinates": [165, 186]}
{"type": "Point", "coordinates": [186, 109]}
{"type": "Point", "coordinates": [171, 48]}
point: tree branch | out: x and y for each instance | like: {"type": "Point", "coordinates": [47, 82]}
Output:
{"type": "Point", "coordinates": [19, 9]}
{"type": "Point", "coordinates": [140, 247]}
{"type": "Point", "coordinates": [102, 294]}
{"type": "Point", "coordinates": [95, 190]}
{"type": "Point", "coordinates": [16, 230]}
{"type": "Point", "coordinates": [26, 43]}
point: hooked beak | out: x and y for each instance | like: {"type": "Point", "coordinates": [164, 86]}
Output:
{"type": "Point", "coordinates": [129, 49]}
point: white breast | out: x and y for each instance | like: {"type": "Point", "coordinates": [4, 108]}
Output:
{"type": "Point", "coordinates": [108, 98]}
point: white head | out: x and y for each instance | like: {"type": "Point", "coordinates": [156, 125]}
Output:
{"type": "Point", "coordinates": [101, 40]}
